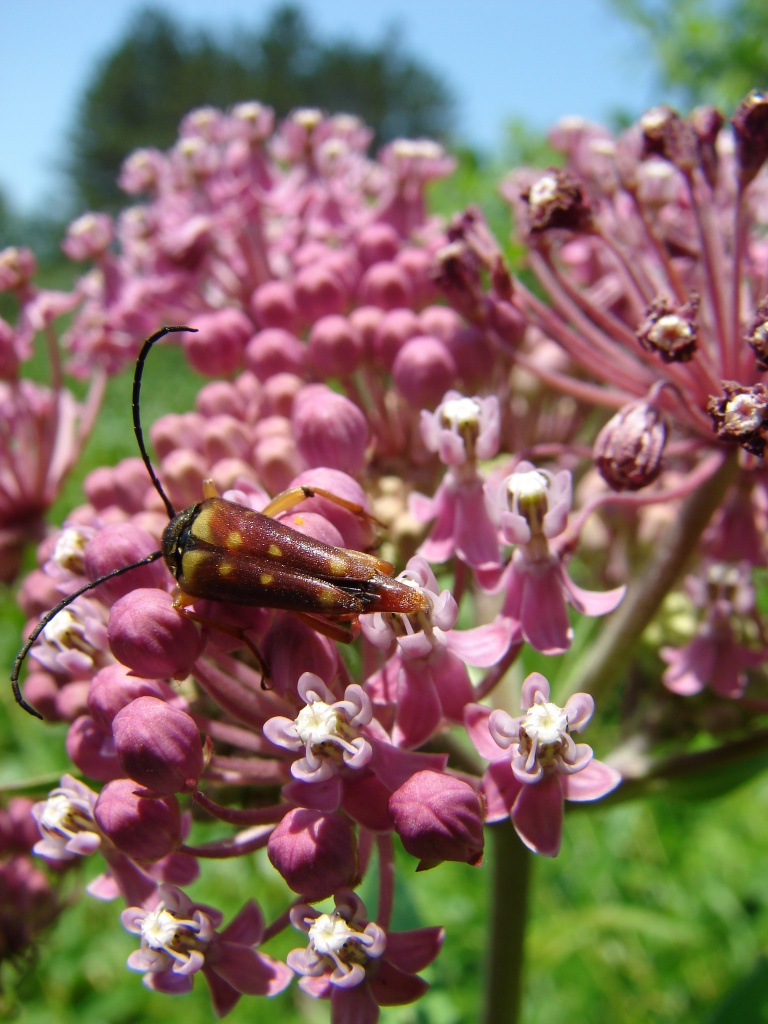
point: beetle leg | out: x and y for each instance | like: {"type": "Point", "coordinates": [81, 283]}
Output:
{"type": "Point", "coordinates": [209, 489]}
{"type": "Point", "coordinates": [345, 629]}
{"type": "Point", "coordinates": [181, 601]}
{"type": "Point", "coordinates": [288, 499]}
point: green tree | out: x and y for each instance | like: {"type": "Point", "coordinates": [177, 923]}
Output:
{"type": "Point", "coordinates": [710, 51]}
{"type": "Point", "coordinates": [159, 71]}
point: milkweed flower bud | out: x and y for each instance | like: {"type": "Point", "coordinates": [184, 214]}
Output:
{"type": "Point", "coordinates": [423, 370]}
{"type": "Point", "coordinates": [143, 828]}
{"type": "Point", "coordinates": [218, 346]}
{"type": "Point", "coordinates": [315, 853]}
{"type": "Point", "coordinates": [330, 429]}
{"type": "Point", "coordinates": [158, 746]}
{"type": "Point", "coordinates": [335, 347]}
{"type": "Point", "coordinates": [118, 545]}
{"type": "Point", "coordinates": [274, 350]}
{"type": "Point", "coordinates": [150, 637]}
{"type": "Point", "coordinates": [113, 687]}
{"type": "Point", "coordinates": [438, 817]}
{"type": "Point", "coordinates": [274, 305]}
{"type": "Point", "coordinates": [629, 449]}
{"type": "Point", "coordinates": [750, 128]}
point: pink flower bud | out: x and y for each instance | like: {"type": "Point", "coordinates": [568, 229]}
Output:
{"type": "Point", "coordinates": [147, 634]}
{"type": "Point", "coordinates": [366, 320]}
{"type": "Point", "coordinates": [224, 437]}
{"type": "Point", "coordinates": [158, 746]}
{"type": "Point", "coordinates": [417, 264]}
{"type": "Point", "coordinates": [629, 449]}
{"type": "Point", "coordinates": [220, 397]}
{"type": "Point", "coordinates": [279, 393]}
{"type": "Point", "coordinates": [217, 348]}
{"type": "Point", "coordinates": [386, 285]}
{"type": "Point", "coordinates": [330, 430]}
{"type": "Point", "coordinates": [335, 346]}
{"type": "Point", "coordinates": [376, 243]}
{"type": "Point", "coordinates": [273, 304]}
{"type": "Point", "coordinates": [395, 328]}
{"type": "Point", "coordinates": [315, 853]}
{"type": "Point", "coordinates": [438, 817]}
{"type": "Point", "coordinates": [123, 485]}
{"type": "Point", "coordinates": [423, 371]}
{"type": "Point", "coordinates": [141, 827]}
{"type": "Point", "coordinates": [92, 750]}
{"type": "Point", "coordinates": [274, 350]}
{"type": "Point", "coordinates": [319, 292]}
{"type": "Point", "coordinates": [276, 462]}
{"type": "Point", "coordinates": [175, 431]}
{"type": "Point", "coordinates": [113, 687]}
{"type": "Point", "coordinates": [116, 546]}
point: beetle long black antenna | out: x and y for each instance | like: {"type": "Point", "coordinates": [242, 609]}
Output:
{"type": "Point", "coordinates": [52, 615]}
{"type": "Point", "coordinates": [136, 409]}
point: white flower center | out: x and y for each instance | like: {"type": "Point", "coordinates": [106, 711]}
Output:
{"type": "Point", "coordinates": [543, 191]}
{"type": "Point", "coordinates": [743, 414]}
{"type": "Point", "coordinates": [547, 723]}
{"type": "Point", "coordinates": [329, 933]}
{"type": "Point", "coordinates": [57, 815]}
{"type": "Point", "coordinates": [158, 929]}
{"type": "Point", "coordinates": [319, 723]}
{"type": "Point", "coordinates": [69, 549]}
{"type": "Point", "coordinates": [460, 413]}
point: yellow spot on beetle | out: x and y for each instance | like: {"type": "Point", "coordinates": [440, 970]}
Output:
{"type": "Point", "coordinates": [266, 578]}
{"type": "Point", "coordinates": [200, 527]}
{"type": "Point", "coordinates": [275, 551]}
{"type": "Point", "coordinates": [327, 596]}
{"type": "Point", "coordinates": [234, 539]}
{"type": "Point", "coordinates": [336, 565]}
{"type": "Point", "coordinates": [226, 569]}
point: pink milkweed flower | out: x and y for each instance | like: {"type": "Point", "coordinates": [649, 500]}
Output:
{"type": "Point", "coordinates": [349, 759]}
{"type": "Point", "coordinates": [546, 766]}
{"type": "Point", "coordinates": [716, 657]}
{"type": "Point", "coordinates": [179, 938]}
{"type": "Point", "coordinates": [65, 819]}
{"type": "Point", "coordinates": [426, 678]}
{"type": "Point", "coordinates": [461, 430]}
{"type": "Point", "coordinates": [326, 730]}
{"type": "Point", "coordinates": [531, 507]}
{"type": "Point", "coordinates": [358, 965]}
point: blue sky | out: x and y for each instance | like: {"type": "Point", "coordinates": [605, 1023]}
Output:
{"type": "Point", "coordinates": [504, 58]}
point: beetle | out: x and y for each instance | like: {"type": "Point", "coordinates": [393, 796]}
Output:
{"type": "Point", "coordinates": [218, 550]}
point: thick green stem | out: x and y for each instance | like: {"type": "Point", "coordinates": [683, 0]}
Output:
{"type": "Point", "coordinates": [608, 656]}
{"type": "Point", "coordinates": [511, 874]}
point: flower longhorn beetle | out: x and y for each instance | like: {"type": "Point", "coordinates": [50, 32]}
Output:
{"type": "Point", "coordinates": [221, 551]}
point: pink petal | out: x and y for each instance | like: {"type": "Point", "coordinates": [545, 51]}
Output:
{"type": "Point", "coordinates": [481, 646]}
{"type": "Point", "coordinates": [391, 987]}
{"type": "Point", "coordinates": [591, 782]}
{"type": "Point", "coordinates": [591, 602]}
{"type": "Point", "coordinates": [418, 710]}
{"type": "Point", "coordinates": [318, 796]}
{"type": "Point", "coordinates": [414, 950]}
{"type": "Point", "coordinates": [223, 996]}
{"type": "Point", "coordinates": [249, 972]}
{"type": "Point", "coordinates": [366, 801]}
{"type": "Point", "coordinates": [451, 681]}
{"type": "Point", "coordinates": [538, 816]}
{"type": "Point", "coordinates": [246, 927]}
{"type": "Point", "coordinates": [475, 535]}
{"type": "Point", "coordinates": [500, 789]}
{"type": "Point", "coordinates": [476, 723]}
{"type": "Point", "coordinates": [353, 1005]}
{"type": "Point", "coordinates": [543, 613]}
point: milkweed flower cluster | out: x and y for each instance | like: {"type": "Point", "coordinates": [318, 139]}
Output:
{"type": "Point", "coordinates": [365, 350]}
